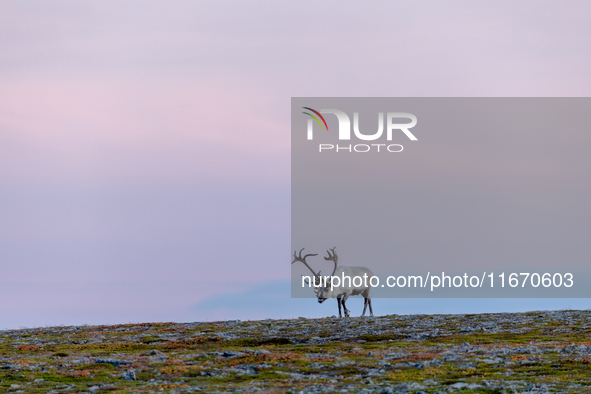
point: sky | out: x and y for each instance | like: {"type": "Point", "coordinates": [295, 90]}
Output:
{"type": "Point", "coordinates": [145, 146]}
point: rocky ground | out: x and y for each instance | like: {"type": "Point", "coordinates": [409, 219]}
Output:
{"type": "Point", "coordinates": [489, 353]}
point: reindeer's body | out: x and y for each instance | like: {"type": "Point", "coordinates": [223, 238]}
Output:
{"type": "Point", "coordinates": [345, 289]}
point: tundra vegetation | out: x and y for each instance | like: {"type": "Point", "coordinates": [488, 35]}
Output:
{"type": "Point", "coordinates": [485, 353]}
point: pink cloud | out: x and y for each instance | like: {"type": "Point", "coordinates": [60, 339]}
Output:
{"type": "Point", "coordinates": [137, 128]}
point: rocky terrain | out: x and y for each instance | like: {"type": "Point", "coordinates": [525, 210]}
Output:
{"type": "Point", "coordinates": [489, 353]}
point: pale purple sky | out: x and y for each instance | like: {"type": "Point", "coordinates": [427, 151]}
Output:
{"type": "Point", "coordinates": [144, 146]}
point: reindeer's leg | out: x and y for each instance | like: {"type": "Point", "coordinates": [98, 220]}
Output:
{"type": "Point", "coordinates": [364, 306]}
{"type": "Point", "coordinates": [369, 303]}
{"type": "Point", "coordinates": [347, 312]}
{"type": "Point", "coordinates": [339, 302]}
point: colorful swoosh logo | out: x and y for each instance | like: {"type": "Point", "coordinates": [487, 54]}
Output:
{"type": "Point", "coordinates": [315, 118]}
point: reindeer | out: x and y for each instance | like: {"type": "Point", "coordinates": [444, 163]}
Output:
{"type": "Point", "coordinates": [345, 288]}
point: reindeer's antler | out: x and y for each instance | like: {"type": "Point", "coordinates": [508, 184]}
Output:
{"type": "Point", "coordinates": [303, 259]}
{"type": "Point", "coordinates": [333, 257]}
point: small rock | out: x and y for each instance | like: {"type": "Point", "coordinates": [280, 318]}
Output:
{"type": "Point", "coordinates": [230, 353]}
{"type": "Point", "coordinates": [113, 361]}
{"type": "Point", "coordinates": [155, 352]}
{"type": "Point", "coordinates": [129, 375]}
{"type": "Point", "coordinates": [401, 387]}
{"type": "Point", "coordinates": [459, 385]}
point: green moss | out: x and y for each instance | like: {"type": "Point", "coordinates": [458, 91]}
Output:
{"type": "Point", "coordinates": [59, 378]}
{"type": "Point", "coordinates": [382, 337]}
{"type": "Point", "coordinates": [254, 342]}
{"type": "Point", "coordinates": [97, 367]}
{"type": "Point", "coordinates": [152, 338]}
{"type": "Point", "coordinates": [235, 378]}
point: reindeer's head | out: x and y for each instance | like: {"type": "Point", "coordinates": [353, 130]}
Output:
{"type": "Point", "coordinates": [323, 292]}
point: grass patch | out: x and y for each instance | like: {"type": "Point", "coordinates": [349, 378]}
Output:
{"type": "Point", "coordinates": [256, 342]}
{"type": "Point", "coordinates": [382, 337]}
